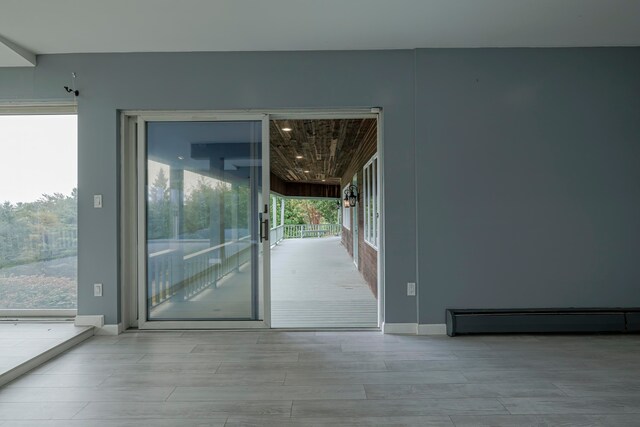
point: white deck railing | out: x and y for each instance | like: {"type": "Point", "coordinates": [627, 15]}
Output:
{"type": "Point", "coordinates": [172, 274]}
{"type": "Point", "coordinates": [311, 230]}
{"type": "Point", "coordinates": [276, 235]}
{"type": "Point", "coordinates": [24, 248]}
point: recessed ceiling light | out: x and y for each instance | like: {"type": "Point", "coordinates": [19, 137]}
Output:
{"type": "Point", "coordinates": [180, 158]}
{"type": "Point", "coordinates": [286, 129]}
{"type": "Point", "coordinates": [306, 171]}
{"type": "Point", "coordinates": [298, 157]}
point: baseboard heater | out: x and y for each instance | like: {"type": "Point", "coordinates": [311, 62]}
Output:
{"type": "Point", "coordinates": [556, 320]}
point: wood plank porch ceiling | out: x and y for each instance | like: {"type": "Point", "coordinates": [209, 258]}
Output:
{"type": "Point", "coordinates": [326, 148]}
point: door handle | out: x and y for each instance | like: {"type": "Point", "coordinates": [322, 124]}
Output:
{"type": "Point", "coordinates": [265, 224]}
{"type": "Point", "coordinates": [264, 227]}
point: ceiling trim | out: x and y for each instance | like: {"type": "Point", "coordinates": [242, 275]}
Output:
{"type": "Point", "coordinates": [20, 57]}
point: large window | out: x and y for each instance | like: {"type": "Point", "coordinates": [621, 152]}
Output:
{"type": "Point", "coordinates": [38, 212]}
{"type": "Point", "coordinates": [371, 201]}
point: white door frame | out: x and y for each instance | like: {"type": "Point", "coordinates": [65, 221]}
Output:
{"type": "Point", "coordinates": [130, 277]}
{"type": "Point", "coordinates": [354, 113]}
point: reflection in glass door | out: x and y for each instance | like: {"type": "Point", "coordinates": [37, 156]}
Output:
{"type": "Point", "coordinates": [203, 185]}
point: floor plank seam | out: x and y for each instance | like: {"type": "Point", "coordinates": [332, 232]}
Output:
{"type": "Point", "coordinates": [79, 410]}
{"type": "Point", "coordinates": [171, 393]}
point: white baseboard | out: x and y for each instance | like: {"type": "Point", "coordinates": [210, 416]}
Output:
{"type": "Point", "coordinates": [432, 329]}
{"type": "Point", "coordinates": [98, 323]}
{"type": "Point", "coordinates": [399, 328]}
{"type": "Point", "coordinates": [95, 321]}
{"type": "Point", "coordinates": [414, 328]}
{"type": "Point", "coordinates": [110, 330]}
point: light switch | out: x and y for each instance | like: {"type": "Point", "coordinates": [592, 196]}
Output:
{"type": "Point", "coordinates": [411, 289]}
{"type": "Point", "coordinates": [97, 289]}
{"type": "Point", "coordinates": [97, 201]}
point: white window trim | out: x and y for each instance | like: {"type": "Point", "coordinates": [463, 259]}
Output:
{"type": "Point", "coordinates": [346, 213]}
{"type": "Point", "coordinates": [32, 108]}
{"type": "Point", "coordinates": [370, 192]}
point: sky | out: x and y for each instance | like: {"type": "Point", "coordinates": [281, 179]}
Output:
{"type": "Point", "coordinates": [38, 155]}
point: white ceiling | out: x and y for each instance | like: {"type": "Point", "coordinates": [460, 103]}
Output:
{"type": "Point", "coordinates": [69, 26]}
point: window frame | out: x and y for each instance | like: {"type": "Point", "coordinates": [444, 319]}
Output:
{"type": "Point", "coordinates": [346, 213]}
{"type": "Point", "coordinates": [371, 202]}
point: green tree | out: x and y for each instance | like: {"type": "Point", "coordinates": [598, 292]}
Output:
{"type": "Point", "coordinates": [310, 211]}
{"type": "Point", "coordinates": [39, 230]}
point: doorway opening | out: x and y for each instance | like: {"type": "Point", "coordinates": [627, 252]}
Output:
{"type": "Point", "coordinates": [325, 208]}
{"type": "Point", "coordinates": [205, 204]}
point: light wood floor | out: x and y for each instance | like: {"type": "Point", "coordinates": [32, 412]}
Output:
{"type": "Point", "coordinates": [272, 378]}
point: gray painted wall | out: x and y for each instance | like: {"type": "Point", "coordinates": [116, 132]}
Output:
{"type": "Point", "coordinates": [110, 82]}
{"type": "Point", "coordinates": [528, 178]}
{"type": "Point", "coordinates": [520, 165]}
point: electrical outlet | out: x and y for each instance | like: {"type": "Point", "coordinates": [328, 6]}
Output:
{"type": "Point", "coordinates": [97, 289]}
{"type": "Point", "coordinates": [97, 201]}
{"type": "Point", "coordinates": [411, 289]}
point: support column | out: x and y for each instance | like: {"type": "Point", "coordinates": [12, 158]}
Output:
{"type": "Point", "coordinates": [274, 209]}
{"type": "Point", "coordinates": [282, 211]}
{"type": "Point", "coordinates": [176, 206]}
{"type": "Point", "coordinates": [176, 191]}
{"type": "Point", "coordinates": [217, 219]}
{"type": "Point", "coordinates": [235, 200]}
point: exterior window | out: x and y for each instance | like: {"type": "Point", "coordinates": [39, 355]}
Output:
{"type": "Point", "coordinates": [38, 212]}
{"type": "Point", "coordinates": [371, 201]}
{"type": "Point", "coordinates": [346, 214]}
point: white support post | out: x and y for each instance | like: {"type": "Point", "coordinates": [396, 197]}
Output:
{"type": "Point", "coordinates": [275, 212]}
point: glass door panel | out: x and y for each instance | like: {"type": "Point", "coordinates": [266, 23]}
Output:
{"type": "Point", "coordinates": [202, 194]}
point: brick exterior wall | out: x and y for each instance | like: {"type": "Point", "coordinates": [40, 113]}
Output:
{"type": "Point", "coordinates": [367, 255]}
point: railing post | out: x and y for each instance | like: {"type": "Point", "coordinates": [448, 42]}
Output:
{"type": "Point", "coordinates": [237, 257]}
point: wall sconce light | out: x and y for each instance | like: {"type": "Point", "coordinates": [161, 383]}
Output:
{"type": "Point", "coordinates": [350, 196]}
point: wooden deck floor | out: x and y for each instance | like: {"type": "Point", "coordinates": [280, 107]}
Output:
{"type": "Point", "coordinates": [314, 284]}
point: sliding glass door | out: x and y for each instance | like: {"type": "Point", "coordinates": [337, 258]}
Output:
{"type": "Point", "coordinates": [203, 224]}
